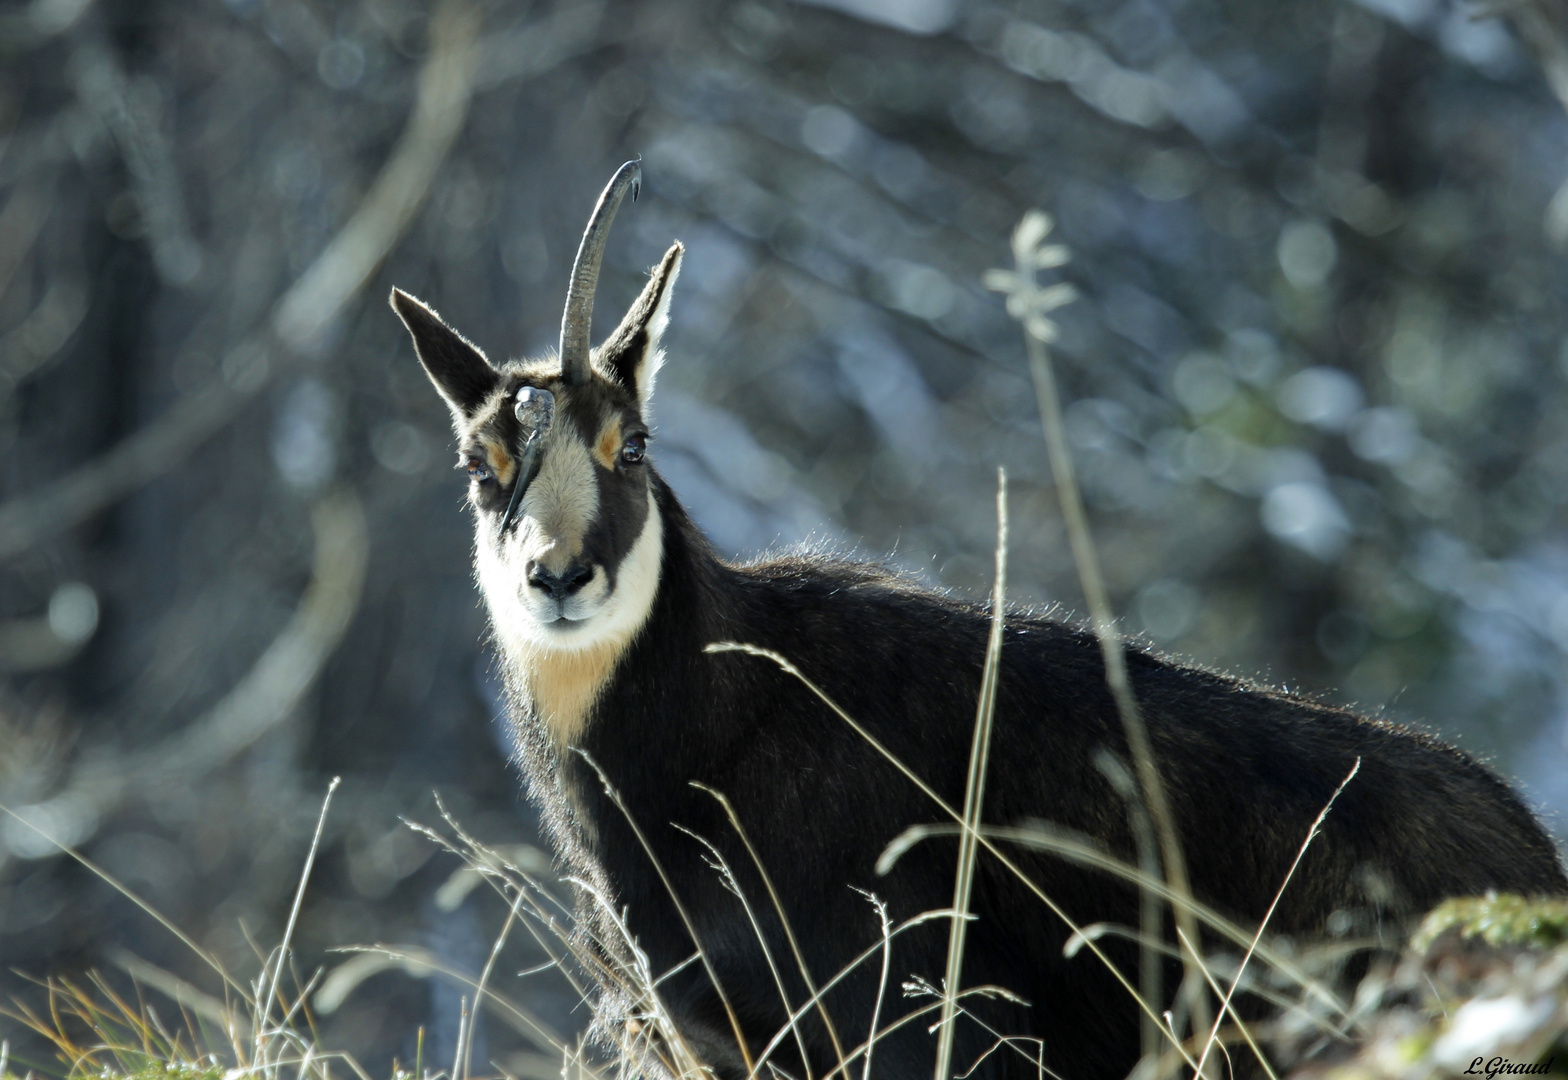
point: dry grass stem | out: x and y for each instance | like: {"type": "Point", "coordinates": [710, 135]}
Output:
{"type": "Point", "coordinates": [1213, 1036]}
{"type": "Point", "coordinates": [719, 863]}
{"type": "Point", "coordinates": [691, 930]}
{"type": "Point", "coordinates": [887, 959]}
{"type": "Point", "coordinates": [778, 908]}
{"type": "Point", "coordinates": [1042, 836]}
{"type": "Point", "coordinates": [466, 1047]}
{"type": "Point", "coordinates": [843, 973]}
{"type": "Point", "coordinates": [1151, 975]}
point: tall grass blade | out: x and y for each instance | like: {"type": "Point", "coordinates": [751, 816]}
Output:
{"type": "Point", "coordinates": [462, 1034]}
{"type": "Point", "coordinates": [268, 991]}
{"type": "Point", "coordinates": [974, 790]}
{"type": "Point", "coordinates": [887, 960]}
{"type": "Point", "coordinates": [1274, 904]}
{"type": "Point", "coordinates": [466, 1049]}
{"type": "Point", "coordinates": [1150, 971]}
{"type": "Point", "coordinates": [1030, 304]}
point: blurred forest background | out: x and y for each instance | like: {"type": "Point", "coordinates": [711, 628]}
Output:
{"type": "Point", "coordinates": [1318, 377]}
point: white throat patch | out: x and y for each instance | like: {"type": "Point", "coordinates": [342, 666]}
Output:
{"type": "Point", "coordinates": [564, 670]}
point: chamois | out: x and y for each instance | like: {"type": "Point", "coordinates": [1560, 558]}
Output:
{"type": "Point", "coordinates": [603, 594]}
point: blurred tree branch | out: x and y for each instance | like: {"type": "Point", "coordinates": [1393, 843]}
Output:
{"type": "Point", "coordinates": [38, 21]}
{"type": "Point", "coordinates": [20, 223]}
{"type": "Point", "coordinates": [40, 336]}
{"type": "Point", "coordinates": [531, 50]}
{"type": "Point", "coordinates": [267, 694]}
{"type": "Point", "coordinates": [104, 90]}
{"type": "Point", "coordinates": [300, 316]}
{"type": "Point", "coordinates": [1543, 25]}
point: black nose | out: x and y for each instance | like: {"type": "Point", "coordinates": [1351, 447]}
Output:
{"type": "Point", "coordinates": [561, 585]}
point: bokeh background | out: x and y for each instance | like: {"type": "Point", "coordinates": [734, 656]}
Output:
{"type": "Point", "coordinates": [1317, 374]}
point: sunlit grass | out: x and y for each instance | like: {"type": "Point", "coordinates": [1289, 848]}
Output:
{"type": "Point", "coordinates": [101, 1032]}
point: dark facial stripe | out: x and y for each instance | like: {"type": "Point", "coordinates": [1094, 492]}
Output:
{"type": "Point", "coordinates": [623, 489]}
{"type": "Point", "coordinates": [623, 512]}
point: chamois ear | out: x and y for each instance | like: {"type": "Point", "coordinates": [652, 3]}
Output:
{"type": "Point", "coordinates": [459, 371]}
{"type": "Point", "coordinates": [631, 357]}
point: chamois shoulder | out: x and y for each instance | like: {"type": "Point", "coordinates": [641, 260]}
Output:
{"type": "Point", "coordinates": [809, 570]}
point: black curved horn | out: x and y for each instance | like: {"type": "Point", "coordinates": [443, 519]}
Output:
{"type": "Point", "coordinates": [578, 315]}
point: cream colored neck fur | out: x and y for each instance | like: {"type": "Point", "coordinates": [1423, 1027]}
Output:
{"type": "Point", "coordinates": [562, 686]}
{"type": "Point", "coordinates": [562, 677]}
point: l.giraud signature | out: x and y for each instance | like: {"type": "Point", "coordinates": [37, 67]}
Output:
{"type": "Point", "coordinates": [1502, 1066]}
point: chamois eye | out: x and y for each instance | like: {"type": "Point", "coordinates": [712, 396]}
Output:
{"type": "Point", "coordinates": [478, 469]}
{"type": "Point", "coordinates": [636, 446]}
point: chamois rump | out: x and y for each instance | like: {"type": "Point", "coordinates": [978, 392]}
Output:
{"type": "Point", "coordinates": [603, 593]}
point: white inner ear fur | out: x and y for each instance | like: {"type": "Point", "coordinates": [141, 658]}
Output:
{"type": "Point", "coordinates": [653, 356]}
{"type": "Point", "coordinates": [563, 674]}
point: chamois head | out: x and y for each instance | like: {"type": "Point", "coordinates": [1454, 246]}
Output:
{"type": "Point", "coordinates": [568, 537]}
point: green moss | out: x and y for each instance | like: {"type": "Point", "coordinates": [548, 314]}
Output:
{"type": "Point", "coordinates": [139, 1067]}
{"type": "Point", "coordinates": [1412, 1048]}
{"type": "Point", "coordinates": [1505, 919]}
{"type": "Point", "coordinates": [169, 1070]}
